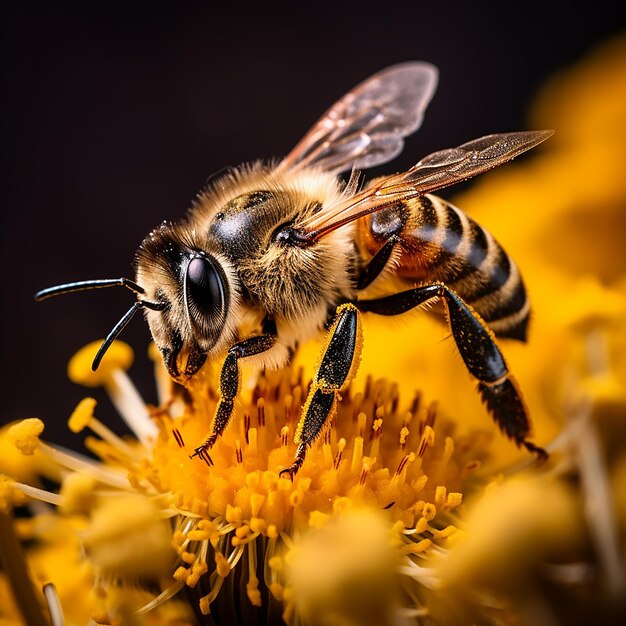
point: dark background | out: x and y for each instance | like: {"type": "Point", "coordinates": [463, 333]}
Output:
{"type": "Point", "coordinates": [113, 120]}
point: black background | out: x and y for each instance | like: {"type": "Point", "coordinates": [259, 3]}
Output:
{"type": "Point", "coordinates": [113, 120]}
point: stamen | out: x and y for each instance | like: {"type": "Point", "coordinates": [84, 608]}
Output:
{"type": "Point", "coordinates": [361, 420]}
{"type": "Point", "coordinates": [598, 501]}
{"type": "Point", "coordinates": [448, 450]}
{"type": "Point", "coordinates": [235, 555]}
{"type": "Point", "coordinates": [445, 533]}
{"type": "Point", "coordinates": [204, 551]}
{"type": "Point", "coordinates": [197, 570]}
{"type": "Point", "coordinates": [416, 548]}
{"type": "Point", "coordinates": [113, 377]}
{"type": "Point", "coordinates": [245, 540]}
{"type": "Point", "coordinates": [39, 494]}
{"type": "Point", "coordinates": [440, 496]}
{"type": "Point", "coordinates": [376, 431]}
{"type": "Point", "coordinates": [54, 604]}
{"type": "Point", "coordinates": [252, 588]}
{"type": "Point", "coordinates": [131, 407]}
{"type": "Point", "coordinates": [25, 435]}
{"type": "Point", "coordinates": [16, 570]}
{"type": "Point", "coordinates": [82, 417]}
{"type": "Point", "coordinates": [253, 443]}
{"type": "Point", "coordinates": [428, 440]}
{"type": "Point", "coordinates": [288, 541]}
{"type": "Point", "coordinates": [357, 455]}
{"type": "Point", "coordinates": [422, 575]}
{"type": "Point", "coordinates": [401, 470]}
{"type": "Point", "coordinates": [404, 433]}
{"type": "Point", "coordinates": [205, 601]}
{"type": "Point", "coordinates": [79, 463]}
{"type": "Point", "coordinates": [364, 472]}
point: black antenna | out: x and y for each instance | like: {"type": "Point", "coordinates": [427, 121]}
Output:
{"type": "Point", "coordinates": [116, 330]}
{"type": "Point", "coordinates": [84, 285]}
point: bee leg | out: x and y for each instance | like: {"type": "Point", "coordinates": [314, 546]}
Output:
{"type": "Point", "coordinates": [481, 355]}
{"type": "Point", "coordinates": [377, 263]}
{"type": "Point", "coordinates": [337, 368]}
{"type": "Point", "coordinates": [230, 379]}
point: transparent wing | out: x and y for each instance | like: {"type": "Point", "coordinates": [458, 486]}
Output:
{"type": "Point", "coordinates": [433, 172]}
{"type": "Point", "coordinates": [366, 127]}
{"type": "Point", "coordinates": [446, 167]}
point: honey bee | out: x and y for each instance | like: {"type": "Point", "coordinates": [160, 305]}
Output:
{"type": "Point", "coordinates": [286, 249]}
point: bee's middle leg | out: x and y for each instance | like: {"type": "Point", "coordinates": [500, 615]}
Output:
{"type": "Point", "coordinates": [337, 368]}
{"type": "Point", "coordinates": [230, 382]}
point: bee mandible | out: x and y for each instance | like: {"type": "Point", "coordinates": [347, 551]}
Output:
{"type": "Point", "coordinates": [286, 249]}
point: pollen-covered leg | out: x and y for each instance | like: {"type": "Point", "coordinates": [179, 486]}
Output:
{"type": "Point", "coordinates": [230, 379]}
{"type": "Point", "coordinates": [480, 353]}
{"type": "Point", "coordinates": [337, 368]}
{"type": "Point", "coordinates": [504, 402]}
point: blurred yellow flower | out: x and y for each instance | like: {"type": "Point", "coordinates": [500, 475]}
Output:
{"type": "Point", "coordinates": [412, 508]}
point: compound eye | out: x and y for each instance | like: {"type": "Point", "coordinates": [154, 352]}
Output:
{"type": "Point", "coordinates": [204, 287]}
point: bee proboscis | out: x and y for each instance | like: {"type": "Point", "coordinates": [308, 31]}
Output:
{"type": "Point", "coordinates": [285, 249]}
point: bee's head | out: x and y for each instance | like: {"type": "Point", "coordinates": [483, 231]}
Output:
{"type": "Point", "coordinates": [198, 293]}
{"type": "Point", "coordinates": [189, 296]}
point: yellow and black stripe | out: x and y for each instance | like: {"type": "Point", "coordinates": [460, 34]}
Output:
{"type": "Point", "coordinates": [441, 243]}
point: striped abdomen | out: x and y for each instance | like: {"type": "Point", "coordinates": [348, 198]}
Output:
{"type": "Point", "coordinates": [441, 243]}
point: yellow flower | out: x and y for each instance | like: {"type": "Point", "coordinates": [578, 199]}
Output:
{"type": "Point", "coordinates": [148, 513]}
{"type": "Point", "coordinates": [412, 507]}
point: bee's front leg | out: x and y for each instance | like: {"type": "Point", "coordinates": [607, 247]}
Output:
{"type": "Point", "coordinates": [230, 382]}
{"type": "Point", "coordinates": [337, 368]}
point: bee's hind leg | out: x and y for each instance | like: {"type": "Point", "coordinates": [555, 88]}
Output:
{"type": "Point", "coordinates": [337, 368]}
{"type": "Point", "coordinates": [480, 353]}
{"type": "Point", "coordinates": [230, 382]}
